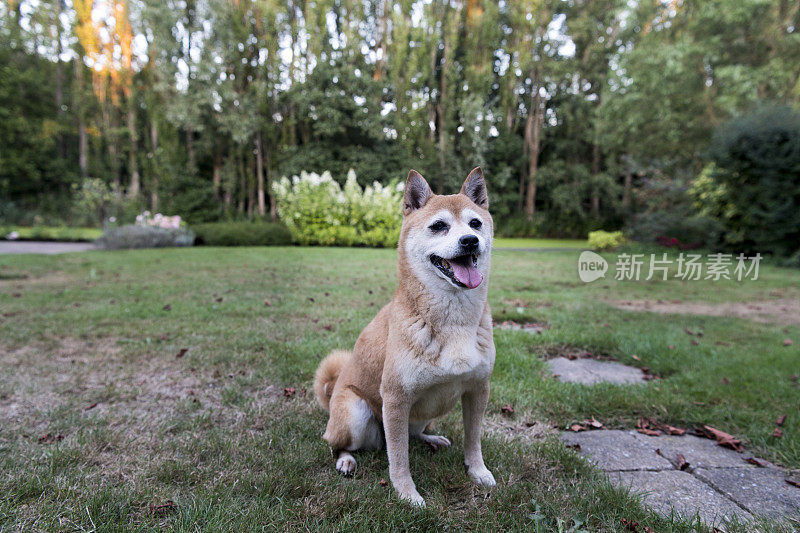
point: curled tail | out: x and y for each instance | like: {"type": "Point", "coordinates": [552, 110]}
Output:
{"type": "Point", "coordinates": [326, 375]}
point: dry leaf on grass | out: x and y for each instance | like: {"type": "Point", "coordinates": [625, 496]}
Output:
{"type": "Point", "coordinates": [683, 464]}
{"type": "Point", "coordinates": [723, 439]}
{"type": "Point", "coordinates": [181, 353]}
{"type": "Point", "coordinates": [778, 433]}
{"type": "Point", "coordinates": [507, 409]}
{"type": "Point", "coordinates": [288, 392]}
{"type": "Point", "coordinates": [163, 508]}
{"type": "Point", "coordinates": [781, 420]}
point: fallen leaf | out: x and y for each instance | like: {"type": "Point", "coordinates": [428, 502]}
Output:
{"type": "Point", "coordinates": [630, 525]}
{"type": "Point", "coordinates": [574, 446]}
{"type": "Point", "coordinates": [266, 303]}
{"type": "Point", "coordinates": [167, 307]}
{"type": "Point", "coordinates": [636, 357]}
{"type": "Point", "coordinates": [658, 452]}
{"type": "Point", "coordinates": [724, 439]}
{"type": "Point", "coordinates": [181, 353]}
{"type": "Point", "coordinates": [788, 342]}
{"type": "Point", "coordinates": [288, 392]}
{"type": "Point", "coordinates": [778, 433]}
{"type": "Point", "coordinates": [49, 438]}
{"type": "Point", "coordinates": [90, 406]}
{"type": "Point", "coordinates": [672, 430]}
{"type": "Point", "coordinates": [163, 508]}
{"type": "Point", "coordinates": [754, 461]}
{"type": "Point", "coordinates": [594, 423]}
{"type": "Point", "coordinates": [383, 483]}
{"type": "Point", "coordinates": [725, 381]}
{"type": "Point", "coordinates": [577, 427]}
{"type": "Point", "coordinates": [792, 482]}
{"type": "Point", "coordinates": [218, 300]}
{"type": "Point", "coordinates": [683, 464]}
{"type": "Point", "coordinates": [781, 420]}
{"type": "Point", "coordinates": [507, 409]}
{"type": "Point", "coordinates": [671, 346]}
{"type": "Point", "coordinates": [649, 432]}
{"type": "Point", "coordinates": [695, 342]}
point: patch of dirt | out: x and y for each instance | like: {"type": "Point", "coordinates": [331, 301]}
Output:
{"type": "Point", "coordinates": [783, 311]}
{"type": "Point", "coordinates": [570, 352]}
{"type": "Point", "coordinates": [530, 327]}
{"type": "Point", "coordinates": [130, 401]}
{"type": "Point", "coordinates": [509, 429]}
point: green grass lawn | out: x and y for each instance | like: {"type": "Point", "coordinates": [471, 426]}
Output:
{"type": "Point", "coordinates": [514, 242]}
{"type": "Point", "coordinates": [102, 425]}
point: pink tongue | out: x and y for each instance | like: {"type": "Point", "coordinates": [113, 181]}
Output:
{"type": "Point", "coordinates": [468, 275]}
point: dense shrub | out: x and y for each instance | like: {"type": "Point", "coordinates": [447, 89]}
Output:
{"type": "Point", "coordinates": [317, 210]}
{"type": "Point", "coordinates": [679, 228]}
{"type": "Point", "coordinates": [50, 233]}
{"type": "Point", "coordinates": [136, 236]}
{"type": "Point", "coordinates": [242, 234]}
{"type": "Point", "coordinates": [752, 186]}
{"type": "Point", "coordinates": [605, 241]}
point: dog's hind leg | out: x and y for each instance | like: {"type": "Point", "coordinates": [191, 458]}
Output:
{"type": "Point", "coordinates": [352, 426]}
{"type": "Point", "coordinates": [415, 430]}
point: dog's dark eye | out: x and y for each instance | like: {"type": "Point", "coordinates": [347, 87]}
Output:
{"type": "Point", "coordinates": [475, 223]}
{"type": "Point", "coordinates": [438, 226]}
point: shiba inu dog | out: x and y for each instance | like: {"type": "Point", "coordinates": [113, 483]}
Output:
{"type": "Point", "coordinates": [426, 349]}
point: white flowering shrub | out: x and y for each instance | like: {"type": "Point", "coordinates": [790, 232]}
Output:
{"type": "Point", "coordinates": [317, 210]}
{"type": "Point", "coordinates": [146, 220]}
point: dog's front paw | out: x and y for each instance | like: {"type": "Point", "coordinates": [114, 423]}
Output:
{"type": "Point", "coordinates": [413, 498]}
{"type": "Point", "coordinates": [482, 476]}
{"type": "Point", "coordinates": [435, 441]}
{"type": "Point", "coordinates": [346, 464]}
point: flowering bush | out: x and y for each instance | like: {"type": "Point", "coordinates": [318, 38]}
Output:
{"type": "Point", "coordinates": [317, 210]}
{"type": "Point", "coordinates": [158, 221]}
{"type": "Point", "coordinates": [605, 241]}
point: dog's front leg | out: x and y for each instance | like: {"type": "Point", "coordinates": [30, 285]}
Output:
{"type": "Point", "coordinates": [395, 424]}
{"type": "Point", "coordinates": [473, 405]}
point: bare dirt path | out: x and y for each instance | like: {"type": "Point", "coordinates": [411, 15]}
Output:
{"type": "Point", "coordinates": [781, 311]}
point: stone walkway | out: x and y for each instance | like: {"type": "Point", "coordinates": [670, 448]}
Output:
{"type": "Point", "coordinates": [41, 247]}
{"type": "Point", "coordinates": [711, 482]}
{"type": "Point", "coordinates": [591, 371]}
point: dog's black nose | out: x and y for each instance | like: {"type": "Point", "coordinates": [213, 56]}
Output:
{"type": "Point", "coordinates": [468, 242]}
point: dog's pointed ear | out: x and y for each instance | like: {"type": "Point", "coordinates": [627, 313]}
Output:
{"type": "Point", "coordinates": [475, 188]}
{"type": "Point", "coordinates": [417, 192]}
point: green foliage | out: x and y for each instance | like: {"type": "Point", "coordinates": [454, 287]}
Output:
{"type": "Point", "coordinates": [605, 241]}
{"type": "Point", "coordinates": [135, 236]}
{"type": "Point", "coordinates": [51, 233]}
{"type": "Point", "coordinates": [753, 186]}
{"type": "Point", "coordinates": [317, 210]}
{"type": "Point", "coordinates": [688, 228]}
{"type": "Point", "coordinates": [241, 234]}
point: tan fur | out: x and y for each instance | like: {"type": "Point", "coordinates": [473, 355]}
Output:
{"type": "Point", "coordinates": [428, 348]}
{"type": "Point", "coordinates": [325, 377]}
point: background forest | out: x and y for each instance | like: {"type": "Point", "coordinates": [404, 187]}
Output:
{"type": "Point", "coordinates": [584, 114]}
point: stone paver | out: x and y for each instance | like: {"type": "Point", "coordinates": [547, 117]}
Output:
{"type": "Point", "coordinates": [591, 371]}
{"type": "Point", "coordinates": [717, 484]}
{"type": "Point", "coordinates": [762, 491]}
{"type": "Point", "coordinates": [39, 247]}
{"type": "Point", "coordinates": [616, 450]}
{"type": "Point", "coordinates": [679, 491]}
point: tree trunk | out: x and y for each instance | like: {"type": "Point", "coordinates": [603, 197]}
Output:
{"type": "Point", "coordinates": [381, 42]}
{"type": "Point", "coordinates": [273, 206]}
{"type": "Point", "coordinates": [216, 176]}
{"type": "Point", "coordinates": [626, 188]}
{"type": "Point", "coordinates": [533, 131]}
{"type": "Point", "coordinates": [154, 180]}
{"type": "Point", "coordinates": [133, 153]}
{"type": "Point", "coordinates": [59, 82]}
{"type": "Point", "coordinates": [262, 204]}
{"type": "Point", "coordinates": [596, 160]}
{"type": "Point", "coordinates": [77, 93]}
{"type": "Point", "coordinates": [190, 155]}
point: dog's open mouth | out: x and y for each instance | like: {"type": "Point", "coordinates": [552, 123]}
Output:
{"type": "Point", "coordinates": [462, 270]}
